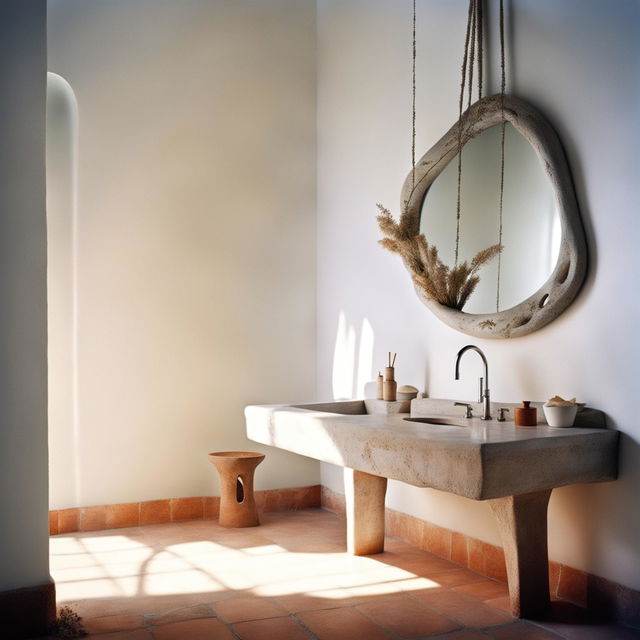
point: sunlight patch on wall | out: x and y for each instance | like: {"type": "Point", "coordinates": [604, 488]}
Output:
{"type": "Point", "coordinates": [343, 359]}
{"type": "Point", "coordinates": [365, 358]}
{"type": "Point", "coordinates": [352, 369]}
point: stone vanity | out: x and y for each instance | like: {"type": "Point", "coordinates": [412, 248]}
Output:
{"type": "Point", "coordinates": [514, 468]}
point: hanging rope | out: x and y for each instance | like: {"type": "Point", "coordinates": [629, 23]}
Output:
{"type": "Point", "coordinates": [502, 90]}
{"type": "Point", "coordinates": [413, 103]}
{"type": "Point", "coordinates": [473, 49]}
{"type": "Point", "coordinates": [460, 103]}
{"type": "Point", "coordinates": [472, 52]}
{"type": "Point", "coordinates": [480, 35]}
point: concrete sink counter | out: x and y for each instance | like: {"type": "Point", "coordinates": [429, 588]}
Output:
{"type": "Point", "coordinates": [515, 468]}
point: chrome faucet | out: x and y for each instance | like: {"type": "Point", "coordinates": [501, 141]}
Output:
{"type": "Point", "coordinates": [468, 412]}
{"type": "Point", "coordinates": [484, 388]}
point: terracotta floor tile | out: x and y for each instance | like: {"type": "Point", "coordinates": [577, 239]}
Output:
{"type": "Point", "coordinates": [246, 540]}
{"type": "Point", "coordinates": [243, 609]}
{"type": "Point", "coordinates": [407, 618]}
{"type": "Point", "coordinates": [380, 583]}
{"type": "Point", "coordinates": [377, 591]}
{"type": "Point", "coordinates": [608, 632]}
{"type": "Point", "coordinates": [296, 544]}
{"type": "Point", "coordinates": [462, 608]}
{"type": "Point", "coordinates": [503, 603]}
{"type": "Point", "coordinates": [271, 629]}
{"type": "Point", "coordinates": [484, 590]}
{"type": "Point", "coordinates": [178, 615]}
{"type": "Point", "coordinates": [417, 583]}
{"type": "Point", "coordinates": [194, 584]}
{"type": "Point", "coordinates": [138, 634]}
{"type": "Point", "coordinates": [342, 624]}
{"type": "Point", "coordinates": [206, 629]}
{"type": "Point", "coordinates": [304, 584]}
{"type": "Point", "coordinates": [523, 631]}
{"type": "Point", "coordinates": [464, 635]}
{"type": "Point", "coordinates": [368, 575]}
{"type": "Point", "coordinates": [295, 603]}
{"type": "Point", "coordinates": [457, 577]}
{"type": "Point", "coordinates": [580, 632]}
{"type": "Point", "coordinates": [137, 605]}
{"type": "Point", "coordinates": [417, 562]}
{"type": "Point", "coordinates": [481, 615]}
{"type": "Point", "coordinates": [112, 623]}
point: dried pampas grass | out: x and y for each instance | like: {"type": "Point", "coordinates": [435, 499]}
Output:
{"type": "Point", "coordinates": [450, 287]}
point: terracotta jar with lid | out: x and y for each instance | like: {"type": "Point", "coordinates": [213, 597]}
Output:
{"type": "Point", "coordinates": [525, 416]}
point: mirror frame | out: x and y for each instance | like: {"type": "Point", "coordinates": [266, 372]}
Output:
{"type": "Point", "coordinates": [562, 286]}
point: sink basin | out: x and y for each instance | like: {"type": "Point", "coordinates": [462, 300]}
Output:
{"type": "Point", "coordinates": [358, 407]}
{"type": "Point", "coordinates": [452, 422]}
{"type": "Point", "coordinates": [341, 407]}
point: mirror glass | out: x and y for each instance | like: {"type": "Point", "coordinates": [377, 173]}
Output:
{"type": "Point", "coordinates": [531, 228]}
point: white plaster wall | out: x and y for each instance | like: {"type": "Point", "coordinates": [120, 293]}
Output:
{"type": "Point", "coordinates": [578, 62]}
{"type": "Point", "coordinates": [194, 241]}
{"type": "Point", "coordinates": [24, 560]}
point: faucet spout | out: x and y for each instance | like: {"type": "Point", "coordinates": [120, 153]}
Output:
{"type": "Point", "coordinates": [484, 393]}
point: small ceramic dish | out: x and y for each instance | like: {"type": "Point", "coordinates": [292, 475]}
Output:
{"type": "Point", "coordinates": [407, 392]}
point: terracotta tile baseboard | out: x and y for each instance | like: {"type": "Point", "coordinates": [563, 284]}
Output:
{"type": "Point", "coordinates": [133, 514]}
{"type": "Point", "coordinates": [29, 612]}
{"type": "Point", "coordinates": [607, 598]}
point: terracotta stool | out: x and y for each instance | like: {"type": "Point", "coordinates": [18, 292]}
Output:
{"type": "Point", "coordinates": [237, 504]}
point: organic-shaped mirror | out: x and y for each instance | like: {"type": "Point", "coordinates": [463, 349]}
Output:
{"type": "Point", "coordinates": [531, 223]}
{"type": "Point", "coordinates": [543, 261]}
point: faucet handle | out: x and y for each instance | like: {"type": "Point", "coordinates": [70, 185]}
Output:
{"type": "Point", "coordinates": [501, 411]}
{"type": "Point", "coordinates": [469, 409]}
{"type": "Point", "coordinates": [481, 389]}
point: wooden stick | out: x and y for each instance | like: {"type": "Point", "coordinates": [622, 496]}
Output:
{"type": "Point", "coordinates": [393, 364]}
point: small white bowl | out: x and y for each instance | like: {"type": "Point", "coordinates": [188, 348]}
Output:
{"type": "Point", "coordinates": [560, 416]}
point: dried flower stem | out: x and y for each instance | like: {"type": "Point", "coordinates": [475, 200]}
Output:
{"type": "Point", "coordinates": [451, 287]}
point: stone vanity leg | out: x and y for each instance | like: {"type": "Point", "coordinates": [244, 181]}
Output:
{"type": "Point", "coordinates": [364, 500]}
{"type": "Point", "coordinates": [522, 521]}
